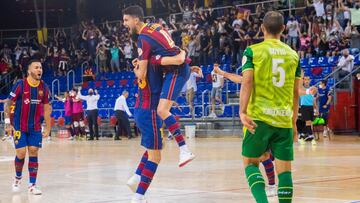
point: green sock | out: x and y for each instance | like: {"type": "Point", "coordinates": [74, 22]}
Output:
{"type": "Point", "coordinates": [256, 183]}
{"type": "Point", "coordinates": [285, 189]}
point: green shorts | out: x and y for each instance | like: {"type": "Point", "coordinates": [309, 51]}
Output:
{"type": "Point", "coordinates": [267, 137]}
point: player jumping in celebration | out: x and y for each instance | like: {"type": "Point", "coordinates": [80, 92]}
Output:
{"type": "Point", "coordinates": [269, 99]}
{"type": "Point", "coordinates": [29, 95]}
{"type": "Point", "coordinates": [153, 40]}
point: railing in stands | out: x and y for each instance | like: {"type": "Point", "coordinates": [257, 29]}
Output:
{"type": "Point", "coordinates": [53, 88]}
{"type": "Point", "coordinates": [82, 70]}
{"type": "Point", "coordinates": [72, 73]}
{"type": "Point", "coordinates": [203, 101]}
{"type": "Point", "coordinates": [7, 79]}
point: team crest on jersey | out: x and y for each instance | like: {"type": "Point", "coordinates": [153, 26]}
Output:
{"type": "Point", "coordinates": [41, 93]}
{"type": "Point", "coordinates": [140, 52]}
{"type": "Point", "coordinates": [27, 101]}
{"type": "Point", "coordinates": [244, 59]}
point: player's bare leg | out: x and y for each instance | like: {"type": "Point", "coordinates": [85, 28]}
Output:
{"type": "Point", "coordinates": [33, 169]}
{"type": "Point", "coordinates": [163, 111]}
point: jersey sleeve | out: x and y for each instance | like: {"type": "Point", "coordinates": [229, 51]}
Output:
{"type": "Point", "coordinates": [47, 95]}
{"type": "Point", "coordinates": [16, 91]}
{"type": "Point", "coordinates": [298, 70]}
{"type": "Point", "coordinates": [247, 60]}
{"type": "Point", "coordinates": [144, 49]}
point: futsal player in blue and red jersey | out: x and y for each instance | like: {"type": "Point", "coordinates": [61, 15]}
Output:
{"type": "Point", "coordinates": [153, 43]}
{"type": "Point", "coordinates": [28, 95]}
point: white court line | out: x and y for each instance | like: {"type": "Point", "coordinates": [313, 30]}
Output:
{"type": "Point", "coordinates": [6, 158]}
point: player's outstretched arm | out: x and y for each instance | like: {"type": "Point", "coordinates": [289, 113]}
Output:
{"type": "Point", "coordinates": [47, 118]}
{"type": "Point", "coordinates": [233, 77]}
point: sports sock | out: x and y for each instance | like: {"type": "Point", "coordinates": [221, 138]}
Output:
{"type": "Point", "coordinates": [142, 163]}
{"type": "Point", "coordinates": [19, 164]}
{"type": "Point", "coordinates": [285, 189]}
{"type": "Point", "coordinates": [33, 169]}
{"type": "Point", "coordinates": [256, 183]}
{"type": "Point", "coordinates": [146, 177]}
{"type": "Point", "coordinates": [174, 128]}
{"type": "Point", "coordinates": [269, 168]}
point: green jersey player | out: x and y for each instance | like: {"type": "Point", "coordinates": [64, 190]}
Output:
{"type": "Point", "coordinates": [268, 107]}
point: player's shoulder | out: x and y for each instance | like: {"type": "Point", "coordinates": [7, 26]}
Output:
{"type": "Point", "coordinates": [20, 82]}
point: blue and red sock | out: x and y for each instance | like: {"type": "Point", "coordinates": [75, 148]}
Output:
{"type": "Point", "coordinates": [174, 128]}
{"type": "Point", "coordinates": [146, 177]}
{"type": "Point", "coordinates": [33, 169]}
{"type": "Point", "coordinates": [19, 164]}
{"type": "Point", "coordinates": [269, 168]}
{"type": "Point", "coordinates": [142, 163]}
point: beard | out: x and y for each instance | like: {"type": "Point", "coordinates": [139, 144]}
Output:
{"type": "Point", "coordinates": [35, 76]}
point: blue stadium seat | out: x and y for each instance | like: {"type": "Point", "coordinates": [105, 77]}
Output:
{"type": "Point", "coordinates": [323, 61]}
{"type": "Point", "coordinates": [181, 100]}
{"type": "Point", "coordinates": [56, 114]}
{"type": "Point", "coordinates": [103, 113]}
{"type": "Point", "coordinates": [313, 62]}
{"type": "Point", "coordinates": [354, 51]}
{"type": "Point", "coordinates": [333, 60]}
{"type": "Point", "coordinates": [304, 62]}
{"type": "Point", "coordinates": [357, 60]}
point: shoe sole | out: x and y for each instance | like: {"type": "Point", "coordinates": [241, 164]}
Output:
{"type": "Point", "coordinates": [186, 162]}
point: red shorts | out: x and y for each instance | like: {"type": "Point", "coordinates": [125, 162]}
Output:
{"type": "Point", "coordinates": [78, 117]}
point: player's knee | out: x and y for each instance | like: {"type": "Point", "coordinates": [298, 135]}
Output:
{"type": "Point", "coordinates": [154, 156]}
{"type": "Point", "coordinates": [162, 112]}
{"type": "Point", "coordinates": [33, 151]}
{"type": "Point", "coordinates": [308, 123]}
{"type": "Point", "coordinates": [21, 153]}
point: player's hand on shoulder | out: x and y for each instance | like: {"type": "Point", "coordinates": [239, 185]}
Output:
{"type": "Point", "coordinates": [248, 123]}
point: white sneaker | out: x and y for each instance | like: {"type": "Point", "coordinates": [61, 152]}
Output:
{"type": "Point", "coordinates": [137, 199]}
{"type": "Point", "coordinates": [133, 182]}
{"type": "Point", "coordinates": [325, 133]}
{"type": "Point", "coordinates": [271, 191]}
{"type": "Point", "coordinates": [301, 141]}
{"type": "Point", "coordinates": [16, 185]}
{"type": "Point", "coordinates": [185, 157]}
{"type": "Point", "coordinates": [212, 115]}
{"type": "Point", "coordinates": [313, 142]}
{"type": "Point", "coordinates": [71, 138]}
{"type": "Point", "coordinates": [34, 190]}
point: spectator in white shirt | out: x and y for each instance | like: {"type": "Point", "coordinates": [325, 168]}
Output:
{"type": "Point", "coordinates": [216, 95]}
{"type": "Point", "coordinates": [191, 86]}
{"type": "Point", "coordinates": [122, 114]}
{"type": "Point", "coordinates": [346, 63]}
{"type": "Point", "coordinates": [128, 50]}
{"type": "Point", "coordinates": [319, 7]}
{"type": "Point", "coordinates": [91, 110]}
{"type": "Point", "coordinates": [293, 29]}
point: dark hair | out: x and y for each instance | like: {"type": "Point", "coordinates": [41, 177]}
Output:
{"type": "Point", "coordinates": [324, 82]}
{"type": "Point", "coordinates": [273, 22]}
{"type": "Point", "coordinates": [135, 11]}
{"type": "Point", "coordinates": [35, 60]}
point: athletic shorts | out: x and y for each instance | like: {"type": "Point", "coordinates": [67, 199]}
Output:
{"type": "Point", "coordinates": [216, 92]}
{"type": "Point", "coordinates": [25, 139]}
{"type": "Point", "coordinates": [78, 117]}
{"type": "Point", "coordinates": [174, 82]}
{"type": "Point", "coordinates": [68, 120]}
{"type": "Point", "coordinates": [307, 113]}
{"type": "Point", "coordinates": [267, 137]}
{"type": "Point", "coordinates": [149, 124]}
{"type": "Point", "coordinates": [325, 116]}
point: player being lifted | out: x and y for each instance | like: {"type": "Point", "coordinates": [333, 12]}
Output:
{"type": "Point", "coordinates": [29, 95]}
{"type": "Point", "coordinates": [152, 41]}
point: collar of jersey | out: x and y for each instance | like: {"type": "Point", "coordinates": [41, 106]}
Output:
{"type": "Point", "coordinates": [145, 24]}
{"type": "Point", "coordinates": [33, 84]}
{"type": "Point", "coordinates": [273, 40]}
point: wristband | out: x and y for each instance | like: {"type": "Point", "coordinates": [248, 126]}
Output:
{"type": "Point", "coordinates": [7, 120]}
{"type": "Point", "coordinates": [308, 91]}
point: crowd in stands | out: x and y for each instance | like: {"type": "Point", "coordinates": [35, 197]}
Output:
{"type": "Point", "coordinates": [323, 28]}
